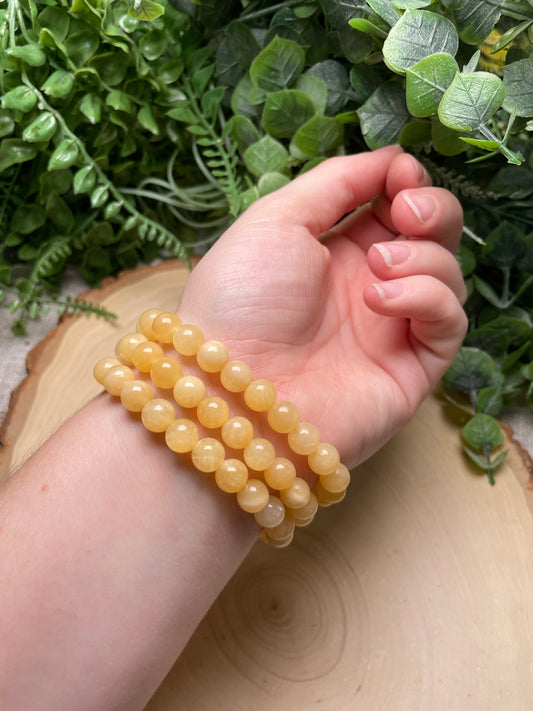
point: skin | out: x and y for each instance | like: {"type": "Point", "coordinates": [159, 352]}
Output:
{"type": "Point", "coordinates": [111, 548]}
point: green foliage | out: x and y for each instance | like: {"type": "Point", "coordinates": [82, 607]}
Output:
{"type": "Point", "coordinates": [132, 129]}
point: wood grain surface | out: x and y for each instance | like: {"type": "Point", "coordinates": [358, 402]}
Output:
{"type": "Point", "coordinates": [415, 593]}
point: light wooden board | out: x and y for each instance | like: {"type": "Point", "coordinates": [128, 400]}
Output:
{"type": "Point", "coordinates": [415, 593]}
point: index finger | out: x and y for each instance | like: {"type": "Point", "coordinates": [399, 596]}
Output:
{"type": "Point", "coordinates": [319, 198]}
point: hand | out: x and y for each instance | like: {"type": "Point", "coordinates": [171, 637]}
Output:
{"type": "Point", "coordinates": [354, 315]}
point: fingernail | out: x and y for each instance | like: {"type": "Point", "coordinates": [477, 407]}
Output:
{"type": "Point", "coordinates": [393, 253]}
{"type": "Point", "coordinates": [423, 206]}
{"type": "Point", "coordinates": [421, 173]}
{"type": "Point", "coordinates": [388, 289]}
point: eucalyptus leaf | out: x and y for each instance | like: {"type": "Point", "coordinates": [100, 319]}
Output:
{"type": "Point", "coordinates": [475, 19]}
{"type": "Point", "coordinates": [416, 35]}
{"type": "Point", "coordinates": [383, 115]}
{"type": "Point", "coordinates": [470, 100]}
{"type": "Point", "coordinates": [482, 431]}
{"type": "Point", "coordinates": [427, 81]}
{"type": "Point", "coordinates": [518, 83]}
{"type": "Point", "coordinates": [471, 371]}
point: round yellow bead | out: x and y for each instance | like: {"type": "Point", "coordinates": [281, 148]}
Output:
{"type": "Point", "coordinates": [127, 345]}
{"type": "Point", "coordinates": [211, 356]}
{"type": "Point", "coordinates": [281, 542]}
{"type": "Point", "coordinates": [259, 454]}
{"type": "Point", "coordinates": [280, 474]}
{"type": "Point", "coordinates": [208, 454]}
{"type": "Point", "coordinates": [164, 325]}
{"type": "Point", "coordinates": [327, 498]}
{"type": "Point", "coordinates": [181, 435]}
{"type": "Point", "coordinates": [145, 355]}
{"type": "Point", "coordinates": [212, 412]}
{"type": "Point", "coordinates": [144, 324]}
{"type": "Point", "coordinates": [235, 376]}
{"type": "Point", "coordinates": [187, 339]}
{"type": "Point", "coordinates": [324, 460]}
{"type": "Point", "coordinates": [281, 530]}
{"type": "Point", "coordinates": [297, 495]}
{"type": "Point", "coordinates": [260, 395]}
{"type": "Point", "coordinates": [189, 391]}
{"type": "Point", "coordinates": [231, 476]}
{"type": "Point", "coordinates": [283, 416]}
{"type": "Point", "coordinates": [338, 481]}
{"type": "Point", "coordinates": [157, 414]}
{"type": "Point", "coordinates": [165, 372]}
{"type": "Point", "coordinates": [304, 515]}
{"type": "Point", "coordinates": [304, 439]}
{"type": "Point", "coordinates": [135, 394]}
{"type": "Point", "coordinates": [254, 496]}
{"type": "Point", "coordinates": [272, 514]}
{"type": "Point", "coordinates": [116, 377]}
{"type": "Point", "coordinates": [101, 368]}
{"type": "Point", "coordinates": [237, 432]}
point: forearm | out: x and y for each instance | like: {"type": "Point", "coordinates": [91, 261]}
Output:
{"type": "Point", "coordinates": [111, 552]}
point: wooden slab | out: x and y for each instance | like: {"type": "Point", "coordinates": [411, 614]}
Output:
{"type": "Point", "coordinates": [415, 593]}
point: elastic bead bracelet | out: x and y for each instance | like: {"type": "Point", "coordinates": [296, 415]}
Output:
{"type": "Point", "coordinates": [277, 497]}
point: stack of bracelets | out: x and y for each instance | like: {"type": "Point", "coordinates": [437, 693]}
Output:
{"type": "Point", "coordinates": [278, 498]}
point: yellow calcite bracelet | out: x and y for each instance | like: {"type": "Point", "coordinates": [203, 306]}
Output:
{"type": "Point", "coordinates": [265, 484]}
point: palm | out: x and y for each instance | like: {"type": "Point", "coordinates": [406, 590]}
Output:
{"type": "Point", "coordinates": [293, 308]}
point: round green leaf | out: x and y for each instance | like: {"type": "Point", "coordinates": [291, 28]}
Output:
{"type": "Point", "coordinates": [153, 44]}
{"type": "Point", "coordinates": [383, 115]}
{"type": "Point", "coordinates": [426, 82]}
{"type": "Point", "coordinates": [27, 218]}
{"type": "Point", "coordinates": [84, 180]}
{"type": "Point", "coordinates": [470, 100]}
{"type": "Point", "coordinates": [269, 182]}
{"type": "Point", "coordinates": [65, 155]}
{"type": "Point", "coordinates": [318, 136]}
{"type": "Point", "coordinates": [518, 82]}
{"type": "Point", "coordinates": [471, 371]}
{"type": "Point", "coordinates": [14, 151]}
{"type": "Point", "coordinates": [147, 120]}
{"type": "Point", "coordinates": [29, 53]}
{"type": "Point", "coordinates": [99, 196]}
{"type": "Point", "coordinates": [7, 123]}
{"type": "Point", "coordinates": [59, 84]}
{"type": "Point", "coordinates": [120, 101]}
{"type": "Point", "coordinates": [416, 35]}
{"type": "Point", "coordinates": [81, 46]}
{"type": "Point", "coordinates": [490, 400]}
{"type": "Point", "coordinates": [41, 129]}
{"type": "Point", "coordinates": [285, 111]}
{"type": "Point", "coordinates": [265, 156]}
{"type": "Point", "coordinates": [482, 431]}
{"type": "Point", "coordinates": [91, 107]}
{"type": "Point", "coordinates": [21, 98]}
{"type": "Point", "coordinates": [278, 65]}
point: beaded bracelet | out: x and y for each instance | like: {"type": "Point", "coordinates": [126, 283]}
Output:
{"type": "Point", "coordinates": [278, 498]}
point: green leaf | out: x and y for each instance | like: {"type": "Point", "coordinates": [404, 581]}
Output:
{"type": "Point", "coordinates": [335, 77]}
{"type": "Point", "coordinates": [482, 431]}
{"type": "Point", "coordinates": [383, 115]}
{"type": "Point", "coordinates": [153, 44]}
{"type": "Point", "coordinates": [210, 102]}
{"type": "Point", "coordinates": [201, 78]}
{"type": "Point", "coordinates": [145, 10]}
{"type": "Point", "coordinates": [81, 46]}
{"type": "Point", "coordinates": [171, 71]}
{"type": "Point", "coordinates": [29, 53]}
{"type": "Point", "coordinates": [59, 84]}
{"type": "Point", "coordinates": [14, 151]}
{"type": "Point", "coordinates": [415, 133]}
{"type": "Point", "coordinates": [59, 213]}
{"type": "Point", "coordinates": [518, 82]}
{"type": "Point", "coordinates": [99, 196]}
{"type": "Point", "coordinates": [21, 98]}
{"type": "Point", "coordinates": [318, 136]}
{"type": "Point", "coordinates": [470, 100]}
{"type": "Point", "coordinates": [147, 120]}
{"type": "Point", "coordinates": [368, 27]}
{"type": "Point", "coordinates": [285, 111]}
{"type": "Point", "coordinates": [265, 156]}
{"type": "Point", "coordinates": [27, 218]}
{"type": "Point", "coordinates": [242, 43]}
{"type": "Point", "coordinates": [445, 140]}
{"type": "Point", "coordinates": [65, 155]}
{"type": "Point", "coordinates": [427, 81]}
{"type": "Point", "coordinates": [416, 35]}
{"type": "Point", "coordinates": [120, 101]}
{"type": "Point", "coordinates": [91, 107]}
{"type": "Point", "coordinates": [41, 129]}
{"type": "Point", "coordinates": [7, 124]}
{"type": "Point", "coordinates": [242, 131]}
{"type": "Point", "coordinates": [315, 89]}
{"type": "Point", "coordinates": [56, 19]}
{"type": "Point", "coordinates": [482, 143]}
{"type": "Point", "coordinates": [385, 10]}
{"type": "Point", "coordinates": [475, 19]}
{"type": "Point", "coordinates": [111, 67]}
{"type": "Point", "coordinates": [84, 180]}
{"type": "Point", "coordinates": [471, 371]}
{"type": "Point", "coordinates": [269, 182]}
{"type": "Point", "coordinates": [278, 65]}
{"type": "Point", "coordinates": [411, 4]}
